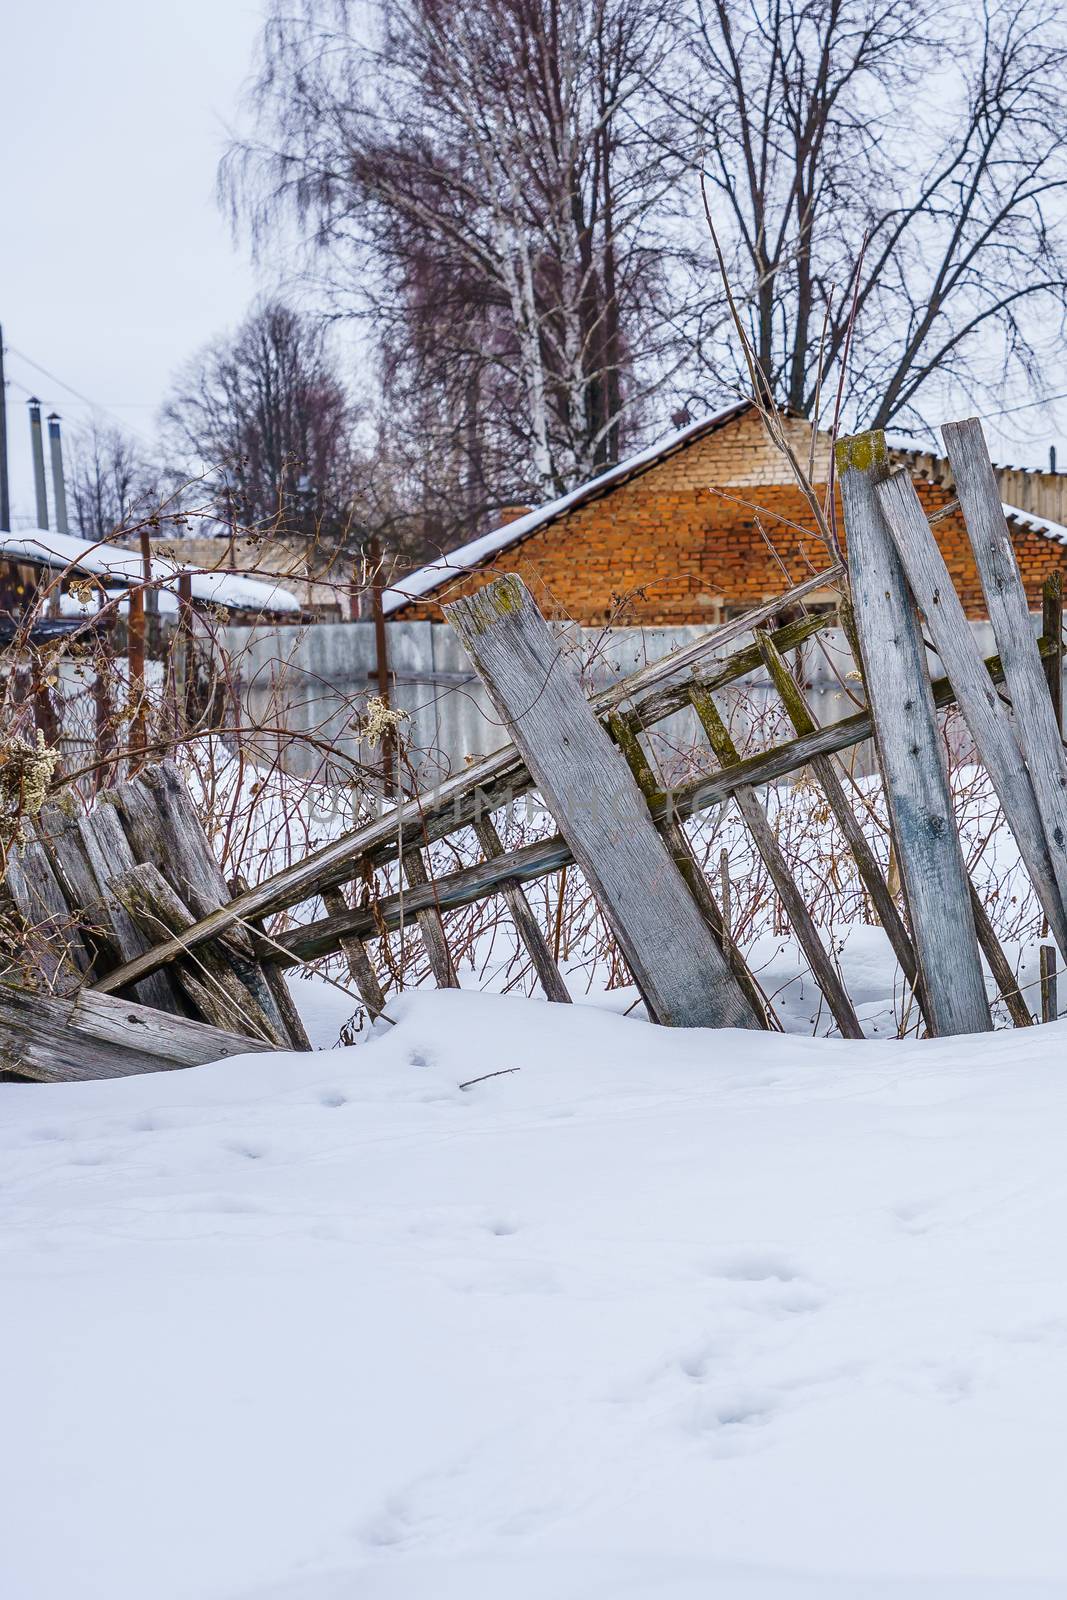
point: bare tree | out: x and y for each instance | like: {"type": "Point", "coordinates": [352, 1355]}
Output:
{"type": "Point", "coordinates": [109, 477]}
{"type": "Point", "coordinates": [267, 407]}
{"type": "Point", "coordinates": [486, 178]}
{"type": "Point", "coordinates": [936, 135]}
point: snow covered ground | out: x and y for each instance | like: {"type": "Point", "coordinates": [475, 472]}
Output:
{"type": "Point", "coordinates": [643, 1314]}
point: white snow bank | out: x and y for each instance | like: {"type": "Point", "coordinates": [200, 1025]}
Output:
{"type": "Point", "coordinates": [651, 1314]}
{"type": "Point", "coordinates": [114, 561]}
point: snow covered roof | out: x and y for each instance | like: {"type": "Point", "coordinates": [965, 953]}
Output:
{"type": "Point", "coordinates": [119, 565]}
{"type": "Point", "coordinates": [1042, 525]}
{"type": "Point", "coordinates": [474, 554]}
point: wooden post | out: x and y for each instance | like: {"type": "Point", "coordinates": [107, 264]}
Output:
{"type": "Point", "coordinates": [381, 658]}
{"type": "Point", "coordinates": [763, 837]}
{"type": "Point", "coordinates": [983, 710]}
{"type": "Point", "coordinates": [135, 670]}
{"type": "Point", "coordinates": [1052, 628]}
{"type": "Point", "coordinates": [909, 751]}
{"type": "Point", "coordinates": [671, 952]}
{"type": "Point", "coordinates": [1049, 1004]}
{"type": "Point", "coordinates": [431, 927]}
{"type": "Point", "coordinates": [184, 666]}
{"type": "Point", "coordinates": [1035, 726]}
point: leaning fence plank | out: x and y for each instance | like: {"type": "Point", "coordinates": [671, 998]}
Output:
{"type": "Point", "coordinates": [1052, 628]}
{"type": "Point", "coordinates": [526, 924]}
{"type": "Point", "coordinates": [680, 848]}
{"type": "Point", "coordinates": [909, 751]}
{"type": "Point", "coordinates": [792, 697]}
{"type": "Point", "coordinates": [677, 965]}
{"type": "Point", "coordinates": [763, 837]}
{"type": "Point", "coordinates": [431, 928]}
{"type": "Point", "coordinates": [1034, 716]}
{"type": "Point", "coordinates": [57, 949]}
{"type": "Point", "coordinates": [360, 967]}
{"type": "Point", "coordinates": [983, 710]}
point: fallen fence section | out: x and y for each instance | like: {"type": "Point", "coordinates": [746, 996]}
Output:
{"type": "Point", "coordinates": [127, 899]}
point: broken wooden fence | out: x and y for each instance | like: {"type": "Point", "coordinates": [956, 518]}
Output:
{"type": "Point", "coordinates": [170, 932]}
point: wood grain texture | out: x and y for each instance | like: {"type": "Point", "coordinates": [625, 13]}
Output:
{"type": "Point", "coordinates": [1035, 725]}
{"type": "Point", "coordinates": [983, 710]}
{"type": "Point", "coordinates": [487, 785]}
{"type": "Point", "coordinates": [108, 852]}
{"type": "Point", "coordinates": [212, 978]}
{"type": "Point", "coordinates": [909, 751]}
{"type": "Point", "coordinates": [587, 785]}
{"type": "Point", "coordinates": [57, 948]}
{"type": "Point", "coordinates": [677, 842]}
{"type": "Point", "coordinates": [92, 1035]}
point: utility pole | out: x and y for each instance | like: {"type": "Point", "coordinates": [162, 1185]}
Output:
{"type": "Point", "coordinates": [37, 444]}
{"type": "Point", "coordinates": [5, 489]}
{"type": "Point", "coordinates": [59, 487]}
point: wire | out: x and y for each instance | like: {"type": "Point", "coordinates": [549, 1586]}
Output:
{"type": "Point", "coordinates": [84, 398]}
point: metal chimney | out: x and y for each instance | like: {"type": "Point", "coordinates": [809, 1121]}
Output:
{"type": "Point", "coordinates": [59, 487]}
{"type": "Point", "coordinates": [37, 442]}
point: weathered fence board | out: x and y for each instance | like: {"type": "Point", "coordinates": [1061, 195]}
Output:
{"type": "Point", "coordinates": [909, 750]}
{"type": "Point", "coordinates": [526, 924]}
{"type": "Point", "coordinates": [676, 963]}
{"type": "Point", "coordinates": [91, 1035]}
{"type": "Point", "coordinates": [981, 706]}
{"type": "Point", "coordinates": [870, 873]}
{"type": "Point", "coordinates": [360, 966]}
{"type": "Point", "coordinates": [1036, 727]}
{"type": "Point", "coordinates": [763, 837]}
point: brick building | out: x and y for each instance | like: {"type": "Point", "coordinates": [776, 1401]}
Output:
{"type": "Point", "coordinates": [701, 527]}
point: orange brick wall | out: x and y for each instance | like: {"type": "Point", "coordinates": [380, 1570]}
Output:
{"type": "Point", "coordinates": [676, 546]}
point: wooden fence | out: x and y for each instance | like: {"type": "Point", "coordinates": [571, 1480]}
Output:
{"type": "Point", "coordinates": [194, 949]}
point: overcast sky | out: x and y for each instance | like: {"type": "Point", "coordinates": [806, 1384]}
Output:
{"type": "Point", "coordinates": [115, 262]}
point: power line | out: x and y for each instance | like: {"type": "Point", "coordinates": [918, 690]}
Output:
{"type": "Point", "coordinates": [84, 398]}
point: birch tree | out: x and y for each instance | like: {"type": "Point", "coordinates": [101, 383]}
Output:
{"type": "Point", "coordinates": [486, 182]}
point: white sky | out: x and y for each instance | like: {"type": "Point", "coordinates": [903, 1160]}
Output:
{"type": "Point", "coordinates": [116, 262]}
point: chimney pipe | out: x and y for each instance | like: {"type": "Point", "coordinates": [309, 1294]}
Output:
{"type": "Point", "coordinates": [5, 493]}
{"type": "Point", "coordinates": [37, 442]}
{"type": "Point", "coordinates": [59, 487]}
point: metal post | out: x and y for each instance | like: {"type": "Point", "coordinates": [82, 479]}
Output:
{"type": "Point", "coordinates": [37, 444]}
{"type": "Point", "coordinates": [5, 490]}
{"type": "Point", "coordinates": [59, 488]}
{"type": "Point", "coordinates": [381, 650]}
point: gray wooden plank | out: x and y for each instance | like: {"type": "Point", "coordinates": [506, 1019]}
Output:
{"type": "Point", "coordinates": [213, 979]}
{"type": "Point", "coordinates": [91, 1035]}
{"type": "Point", "coordinates": [526, 924]}
{"type": "Point", "coordinates": [909, 751]}
{"type": "Point", "coordinates": [360, 967]}
{"type": "Point", "coordinates": [763, 837]}
{"type": "Point", "coordinates": [56, 946]}
{"type": "Point", "coordinates": [431, 928]}
{"type": "Point", "coordinates": [455, 803]}
{"type": "Point", "coordinates": [983, 710]}
{"type": "Point", "coordinates": [108, 852]}
{"type": "Point", "coordinates": [870, 873]}
{"type": "Point", "coordinates": [1034, 715]}
{"type": "Point", "coordinates": [594, 797]}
